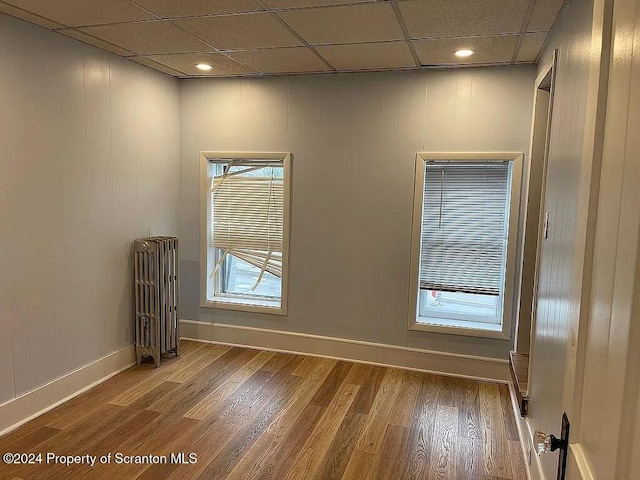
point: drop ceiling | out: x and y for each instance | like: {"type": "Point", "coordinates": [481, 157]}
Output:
{"type": "Point", "coordinates": [253, 37]}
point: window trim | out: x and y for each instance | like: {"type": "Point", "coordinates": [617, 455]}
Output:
{"type": "Point", "coordinates": [474, 329]}
{"type": "Point", "coordinates": [237, 304]}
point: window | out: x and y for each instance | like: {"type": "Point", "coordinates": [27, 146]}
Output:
{"type": "Point", "coordinates": [463, 242]}
{"type": "Point", "coordinates": [245, 228]}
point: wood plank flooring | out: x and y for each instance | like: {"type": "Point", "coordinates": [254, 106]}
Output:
{"type": "Point", "coordinates": [247, 414]}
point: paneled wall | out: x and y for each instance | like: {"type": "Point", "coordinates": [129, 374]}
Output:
{"type": "Point", "coordinates": [89, 147]}
{"type": "Point", "coordinates": [354, 140]}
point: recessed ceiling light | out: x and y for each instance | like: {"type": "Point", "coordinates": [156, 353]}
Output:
{"type": "Point", "coordinates": [205, 67]}
{"type": "Point", "coordinates": [465, 52]}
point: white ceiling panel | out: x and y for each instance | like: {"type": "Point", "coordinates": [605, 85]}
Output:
{"type": "Point", "coordinates": [96, 42]}
{"type": "Point", "coordinates": [84, 12]}
{"type": "Point", "coordinates": [186, 63]}
{"type": "Point", "coordinates": [247, 31]}
{"type": "Point", "coordinates": [345, 24]}
{"type": "Point", "coordinates": [194, 8]}
{"type": "Point", "coordinates": [148, 37]}
{"type": "Point", "coordinates": [544, 14]}
{"type": "Point", "coordinates": [496, 49]}
{"type": "Point", "coordinates": [28, 16]}
{"type": "Point", "coordinates": [147, 62]}
{"type": "Point", "coordinates": [530, 47]}
{"type": "Point", "coordinates": [458, 18]}
{"type": "Point", "coordinates": [364, 56]}
{"type": "Point", "coordinates": [273, 36]}
{"type": "Point", "coordinates": [282, 60]}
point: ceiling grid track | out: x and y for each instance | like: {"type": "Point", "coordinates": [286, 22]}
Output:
{"type": "Point", "coordinates": [405, 31]}
{"type": "Point", "coordinates": [523, 30]}
{"type": "Point", "coordinates": [299, 37]}
{"type": "Point", "coordinates": [553, 27]}
{"type": "Point", "coordinates": [214, 49]}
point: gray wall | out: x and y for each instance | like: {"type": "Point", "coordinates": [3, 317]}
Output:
{"type": "Point", "coordinates": [89, 147]}
{"type": "Point", "coordinates": [354, 140]}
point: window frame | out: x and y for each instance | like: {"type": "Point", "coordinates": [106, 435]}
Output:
{"type": "Point", "coordinates": [207, 255]}
{"type": "Point", "coordinates": [462, 327]}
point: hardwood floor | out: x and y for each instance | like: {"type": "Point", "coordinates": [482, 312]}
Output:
{"type": "Point", "coordinates": [248, 414]}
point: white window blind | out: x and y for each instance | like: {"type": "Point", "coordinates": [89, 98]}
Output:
{"type": "Point", "coordinates": [247, 206]}
{"type": "Point", "coordinates": [464, 227]}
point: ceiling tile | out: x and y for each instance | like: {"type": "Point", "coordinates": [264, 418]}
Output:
{"type": "Point", "coordinates": [544, 14]}
{"type": "Point", "coordinates": [255, 30]}
{"type": "Point", "coordinates": [149, 37]}
{"type": "Point", "coordinates": [305, 3]}
{"type": "Point", "coordinates": [530, 47]}
{"type": "Point", "coordinates": [194, 8]}
{"type": "Point", "coordinates": [488, 50]}
{"type": "Point", "coordinates": [364, 56]}
{"type": "Point", "coordinates": [346, 24]}
{"type": "Point", "coordinates": [186, 63]}
{"type": "Point", "coordinates": [28, 16]}
{"type": "Point", "coordinates": [84, 12]}
{"type": "Point", "coordinates": [447, 18]}
{"type": "Point", "coordinates": [96, 42]}
{"type": "Point", "coordinates": [282, 60]}
{"type": "Point", "coordinates": [156, 66]}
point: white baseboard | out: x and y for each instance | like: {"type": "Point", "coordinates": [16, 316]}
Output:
{"type": "Point", "coordinates": [531, 460]}
{"type": "Point", "coordinates": [459, 365]}
{"type": "Point", "coordinates": [535, 468]}
{"type": "Point", "coordinates": [27, 406]}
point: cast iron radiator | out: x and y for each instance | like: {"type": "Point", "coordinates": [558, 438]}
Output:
{"type": "Point", "coordinates": [156, 297]}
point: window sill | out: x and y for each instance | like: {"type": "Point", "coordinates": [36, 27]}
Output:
{"type": "Point", "coordinates": [246, 305]}
{"type": "Point", "coordinates": [459, 327]}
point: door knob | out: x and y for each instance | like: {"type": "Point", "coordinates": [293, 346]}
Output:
{"type": "Point", "coordinates": [547, 443]}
